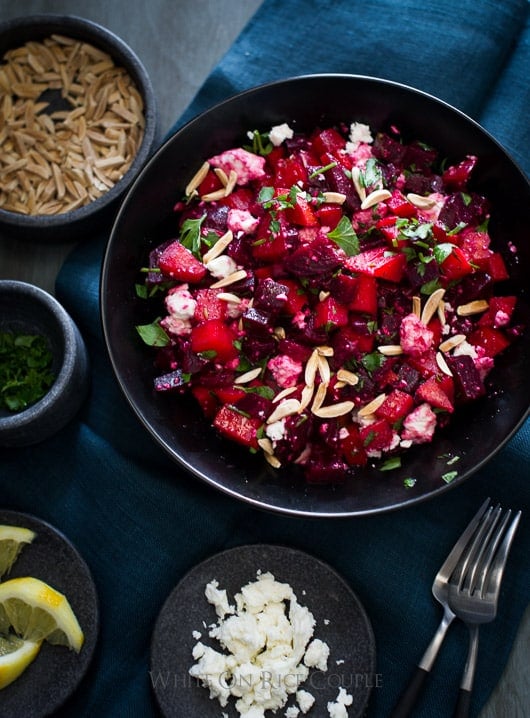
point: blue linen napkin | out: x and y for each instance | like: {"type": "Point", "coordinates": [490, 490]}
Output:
{"type": "Point", "coordinates": [141, 522]}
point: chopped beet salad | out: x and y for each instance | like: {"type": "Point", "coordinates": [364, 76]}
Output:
{"type": "Point", "coordinates": [329, 299]}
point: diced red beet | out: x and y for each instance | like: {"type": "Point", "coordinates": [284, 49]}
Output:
{"type": "Point", "coordinates": [352, 448]}
{"type": "Point", "coordinates": [208, 306]}
{"type": "Point", "coordinates": [313, 260]}
{"type": "Point", "coordinates": [170, 382]}
{"type": "Point", "coordinates": [237, 427]}
{"type": "Point", "coordinates": [493, 341]}
{"type": "Point", "coordinates": [468, 383]}
{"type": "Point", "coordinates": [395, 407]}
{"type": "Point", "coordinates": [432, 392]}
{"type": "Point", "coordinates": [294, 350]}
{"type": "Point", "coordinates": [216, 337]}
{"type": "Point", "coordinates": [457, 176]}
{"type": "Point", "coordinates": [270, 295]}
{"type": "Point", "coordinates": [376, 436]}
{"type": "Point", "coordinates": [325, 467]}
{"type": "Point", "coordinates": [257, 322]}
{"type": "Point", "coordinates": [330, 314]}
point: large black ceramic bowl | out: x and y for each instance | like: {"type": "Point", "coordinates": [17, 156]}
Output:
{"type": "Point", "coordinates": [14, 33]}
{"type": "Point", "coordinates": [475, 434]}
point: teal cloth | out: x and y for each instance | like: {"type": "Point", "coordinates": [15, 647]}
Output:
{"type": "Point", "coordinates": [141, 522]}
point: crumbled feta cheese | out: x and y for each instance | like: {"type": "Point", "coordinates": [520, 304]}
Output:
{"type": "Point", "coordinates": [197, 635]}
{"type": "Point", "coordinates": [285, 370]}
{"type": "Point", "coordinates": [241, 220]}
{"type": "Point", "coordinates": [222, 266]}
{"type": "Point", "coordinates": [337, 709]}
{"type": "Point", "coordinates": [279, 133]}
{"type": "Point", "coordinates": [180, 303]}
{"type": "Point", "coordinates": [419, 425]}
{"type": "Point", "coordinates": [246, 165]}
{"type": "Point", "coordinates": [415, 337]}
{"type": "Point", "coordinates": [360, 133]}
{"type": "Point", "coordinates": [266, 649]}
{"type": "Point", "coordinates": [317, 655]}
{"type": "Point", "coordinates": [305, 700]}
{"type": "Point", "coordinates": [276, 430]}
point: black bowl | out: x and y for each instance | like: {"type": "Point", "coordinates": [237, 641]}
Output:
{"type": "Point", "coordinates": [27, 309]}
{"type": "Point", "coordinates": [90, 217]}
{"type": "Point", "coordinates": [476, 432]}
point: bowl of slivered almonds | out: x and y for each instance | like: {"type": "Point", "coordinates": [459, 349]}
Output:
{"type": "Point", "coordinates": [78, 122]}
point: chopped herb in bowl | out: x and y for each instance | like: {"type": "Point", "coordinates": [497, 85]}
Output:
{"type": "Point", "coordinates": [25, 370]}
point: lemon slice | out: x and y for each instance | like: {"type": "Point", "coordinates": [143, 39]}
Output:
{"type": "Point", "coordinates": [35, 611]}
{"type": "Point", "coordinates": [12, 541]}
{"type": "Point", "coordinates": [15, 656]}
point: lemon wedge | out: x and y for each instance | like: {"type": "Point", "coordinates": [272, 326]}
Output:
{"type": "Point", "coordinates": [15, 656]}
{"type": "Point", "coordinates": [12, 541]}
{"type": "Point", "coordinates": [35, 611]}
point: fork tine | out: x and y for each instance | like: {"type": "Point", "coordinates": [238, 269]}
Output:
{"type": "Point", "coordinates": [455, 555]}
{"type": "Point", "coordinates": [474, 546]}
{"type": "Point", "coordinates": [499, 562]}
{"type": "Point", "coordinates": [490, 549]}
{"type": "Point", "coordinates": [488, 543]}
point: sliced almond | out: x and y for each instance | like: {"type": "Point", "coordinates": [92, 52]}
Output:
{"type": "Point", "coordinates": [232, 181]}
{"type": "Point", "coordinates": [390, 350]}
{"type": "Point", "coordinates": [416, 306]}
{"type": "Point", "coordinates": [229, 297]}
{"type": "Point", "coordinates": [355, 176]}
{"type": "Point", "coordinates": [283, 409]}
{"type": "Point", "coordinates": [222, 176]}
{"type": "Point", "coordinates": [452, 342]}
{"type": "Point", "coordinates": [420, 201]}
{"type": "Point", "coordinates": [476, 307]}
{"type": "Point", "coordinates": [372, 406]}
{"type": "Point", "coordinates": [214, 196]}
{"type": "Point", "coordinates": [266, 444]}
{"type": "Point", "coordinates": [311, 368]}
{"type": "Point", "coordinates": [442, 364]}
{"type": "Point", "coordinates": [231, 279]}
{"type": "Point", "coordinates": [197, 179]}
{"type": "Point", "coordinates": [283, 393]}
{"type": "Point", "coordinates": [348, 377]}
{"type": "Point", "coordinates": [323, 369]}
{"type": "Point", "coordinates": [378, 195]}
{"type": "Point", "coordinates": [334, 410]}
{"type": "Point", "coordinates": [305, 399]}
{"type": "Point", "coordinates": [431, 305]}
{"type": "Point", "coordinates": [272, 460]}
{"type": "Point", "coordinates": [320, 395]}
{"type": "Point", "coordinates": [334, 197]}
{"type": "Point", "coordinates": [248, 376]}
{"type": "Point", "coordinates": [325, 351]}
{"type": "Point", "coordinates": [219, 247]}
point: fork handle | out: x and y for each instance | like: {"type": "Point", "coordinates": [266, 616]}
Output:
{"type": "Point", "coordinates": [463, 704]}
{"type": "Point", "coordinates": [410, 695]}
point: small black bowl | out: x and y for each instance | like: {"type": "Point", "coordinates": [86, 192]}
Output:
{"type": "Point", "coordinates": [476, 433]}
{"type": "Point", "coordinates": [85, 219]}
{"type": "Point", "coordinates": [27, 309]}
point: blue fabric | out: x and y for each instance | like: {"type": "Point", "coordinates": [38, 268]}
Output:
{"type": "Point", "coordinates": [141, 523]}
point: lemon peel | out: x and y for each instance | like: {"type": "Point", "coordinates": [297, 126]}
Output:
{"type": "Point", "coordinates": [12, 541]}
{"type": "Point", "coordinates": [15, 656]}
{"type": "Point", "coordinates": [35, 611]}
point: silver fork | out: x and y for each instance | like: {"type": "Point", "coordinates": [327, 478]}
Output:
{"type": "Point", "coordinates": [440, 590]}
{"type": "Point", "coordinates": [475, 586]}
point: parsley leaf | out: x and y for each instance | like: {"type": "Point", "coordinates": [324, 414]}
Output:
{"type": "Point", "coordinates": [152, 334]}
{"type": "Point", "coordinates": [345, 236]}
{"type": "Point", "coordinates": [190, 234]}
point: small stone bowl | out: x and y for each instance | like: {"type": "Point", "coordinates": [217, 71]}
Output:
{"type": "Point", "coordinates": [27, 309]}
{"type": "Point", "coordinates": [80, 90]}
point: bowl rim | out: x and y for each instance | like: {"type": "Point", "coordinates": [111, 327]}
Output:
{"type": "Point", "coordinates": [70, 338]}
{"type": "Point", "coordinates": [124, 56]}
{"type": "Point", "coordinates": [177, 455]}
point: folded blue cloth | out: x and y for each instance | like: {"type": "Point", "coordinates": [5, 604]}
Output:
{"type": "Point", "coordinates": [141, 522]}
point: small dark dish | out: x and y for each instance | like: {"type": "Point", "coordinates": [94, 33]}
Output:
{"type": "Point", "coordinates": [56, 672]}
{"type": "Point", "coordinates": [15, 33]}
{"type": "Point", "coordinates": [476, 432]}
{"type": "Point", "coordinates": [26, 309]}
{"type": "Point", "coordinates": [341, 622]}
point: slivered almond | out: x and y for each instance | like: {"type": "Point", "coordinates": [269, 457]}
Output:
{"type": "Point", "coordinates": [416, 306]}
{"type": "Point", "coordinates": [248, 376]}
{"type": "Point", "coordinates": [325, 351]}
{"type": "Point", "coordinates": [213, 196]}
{"type": "Point", "coordinates": [390, 350]}
{"type": "Point", "coordinates": [378, 195]}
{"type": "Point", "coordinates": [266, 445]}
{"type": "Point", "coordinates": [305, 399]}
{"type": "Point", "coordinates": [431, 305]}
{"type": "Point", "coordinates": [232, 181]}
{"type": "Point", "coordinates": [441, 313]}
{"type": "Point", "coordinates": [197, 179]}
{"type": "Point", "coordinates": [229, 297]}
{"type": "Point", "coordinates": [323, 369]}
{"type": "Point", "coordinates": [476, 307]}
{"type": "Point", "coordinates": [334, 197]}
{"type": "Point", "coordinates": [452, 342]}
{"type": "Point", "coordinates": [442, 364]}
{"type": "Point", "coordinates": [420, 201]}
{"type": "Point", "coordinates": [311, 368]}
{"type": "Point", "coordinates": [231, 279]}
{"type": "Point", "coordinates": [320, 395]}
{"type": "Point", "coordinates": [219, 247]}
{"type": "Point", "coordinates": [288, 407]}
{"type": "Point", "coordinates": [283, 393]}
{"type": "Point", "coordinates": [222, 176]}
{"type": "Point", "coordinates": [348, 377]}
{"type": "Point", "coordinates": [359, 188]}
{"type": "Point", "coordinates": [372, 406]}
{"type": "Point", "coordinates": [333, 410]}
{"type": "Point", "coordinates": [272, 460]}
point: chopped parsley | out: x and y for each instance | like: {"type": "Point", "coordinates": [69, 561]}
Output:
{"type": "Point", "coordinates": [25, 370]}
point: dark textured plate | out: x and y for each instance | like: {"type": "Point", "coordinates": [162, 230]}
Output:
{"type": "Point", "coordinates": [56, 672]}
{"type": "Point", "coordinates": [476, 432]}
{"type": "Point", "coordinates": [341, 622]}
